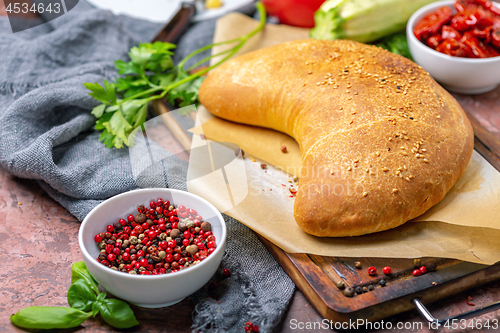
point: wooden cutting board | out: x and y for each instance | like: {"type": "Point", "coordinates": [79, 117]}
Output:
{"type": "Point", "coordinates": [316, 276]}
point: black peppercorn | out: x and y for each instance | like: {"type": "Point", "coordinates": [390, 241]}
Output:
{"type": "Point", "coordinates": [371, 287]}
{"type": "Point", "coordinates": [168, 225]}
{"type": "Point", "coordinates": [358, 290]}
{"type": "Point", "coordinates": [382, 283]}
{"type": "Point", "coordinates": [178, 240]}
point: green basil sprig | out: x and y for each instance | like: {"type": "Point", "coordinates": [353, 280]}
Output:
{"type": "Point", "coordinates": [85, 300]}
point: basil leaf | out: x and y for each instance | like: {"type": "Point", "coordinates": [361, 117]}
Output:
{"type": "Point", "coordinates": [48, 317]}
{"type": "Point", "coordinates": [81, 296]}
{"type": "Point", "coordinates": [101, 297]}
{"type": "Point", "coordinates": [95, 308]}
{"type": "Point", "coordinates": [80, 272]}
{"type": "Point", "coordinates": [117, 313]}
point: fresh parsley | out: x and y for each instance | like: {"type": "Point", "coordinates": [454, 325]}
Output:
{"type": "Point", "coordinates": [150, 74]}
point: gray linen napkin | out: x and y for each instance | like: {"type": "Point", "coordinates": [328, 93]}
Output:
{"type": "Point", "coordinates": [46, 133]}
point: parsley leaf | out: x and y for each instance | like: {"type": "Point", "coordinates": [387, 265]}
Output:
{"type": "Point", "coordinates": [151, 74]}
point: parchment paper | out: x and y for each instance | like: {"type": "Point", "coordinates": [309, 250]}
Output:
{"type": "Point", "coordinates": [465, 225]}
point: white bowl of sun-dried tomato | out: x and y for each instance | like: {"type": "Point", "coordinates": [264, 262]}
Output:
{"type": "Point", "coordinates": [129, 247]}
{"type": "Point", "coordinates": [445, 48]}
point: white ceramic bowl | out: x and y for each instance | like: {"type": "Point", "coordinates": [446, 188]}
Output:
{"type": "Point", "coordinates": [151, 291]}
{"type": "Point", "coordinates": [461, 75]}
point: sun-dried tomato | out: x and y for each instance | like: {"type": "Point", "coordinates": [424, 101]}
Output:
{"type": "Point", "coordinates": [432, 23]}
{"type": "Point", "coordinates": [447, 32]}
{"type": "Point", "coordinates": [434, 40]}
{"type": "Point", "coordinates": [474, 31]}
{"type": "Point", "coordinates": [476, 47]}
{"type": "Point", "coordinates": [452, 47]}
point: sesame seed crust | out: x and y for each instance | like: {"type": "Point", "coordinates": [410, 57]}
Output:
{"type": "Point", "coordinates": [344, 101]}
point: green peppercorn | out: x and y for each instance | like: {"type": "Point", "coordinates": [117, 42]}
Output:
{"type": "Point", "coordinates": [132, 272]}
{"type": "Point", "coordinates": [365, 289]}
{"type": "Point", "coordinates": [371, 287]}
{"type": "Point", "coordinates": [340, 284]}
{"type": "Point", "coordinates": [349, 292]}
{"type": "Point", "coordinates": [192, 249]}
{"type": "Point", "coordinates": [417, 263]}
{"type": "Point", "coordinates": [133, 240]}
{"type": "Point", "coordinates": [357, 264]}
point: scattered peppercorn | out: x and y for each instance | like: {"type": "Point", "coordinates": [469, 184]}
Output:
{"type": "Point", "coordinates": [386, 270]}
{"type": "Point", "coordinates": [372, 270]}
{"type": "Point", "coordinates": [263, 166]}
{"type": "Point", "coordinates": [371, 287]}
{"type": "Point", "coordinates": [358, 290]}
{"type": "Point", "coordinates": [382, 283]}
{"type": "Point", "coordinates": [238, 151]}
{"type": "Point", "coordinates": [431, 265]}
{"type": "Point", "coordinates": [349, 292]}
{"type": "Point", "coordinates": [357, 264]}
{"type": "Point", "coordinates": [417, 262]}
{"type": "Point", "coordinates": [249, 327]}
{"type": "Point", "coordinates": [226, 272]}
{"type": "Point", "coordinates": [340, 284]}
{"type": "Point", "coordinates": [283, 149]}
{"type": "Point", "coordinates": [417, 272]}
{"type": "Point", "coordinates": [423, 269]}
{"type": "Point", "coordinates": [147, 244]}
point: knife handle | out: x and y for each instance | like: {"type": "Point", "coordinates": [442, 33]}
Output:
{"type": "Point", "coordinates": [171, 32]}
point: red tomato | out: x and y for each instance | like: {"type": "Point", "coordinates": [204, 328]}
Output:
{"type": "Point", "coordinates": [299, 13]}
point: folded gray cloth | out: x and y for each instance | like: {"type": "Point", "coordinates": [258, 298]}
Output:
{"type": "Point", "coordinates": [46, 133]}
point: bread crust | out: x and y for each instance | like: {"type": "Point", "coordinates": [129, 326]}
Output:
{"type": "Point", "coordinates": [381, 141]}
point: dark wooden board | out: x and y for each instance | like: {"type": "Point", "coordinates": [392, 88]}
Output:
{"type": "Point", "coordinates": [316, 276]}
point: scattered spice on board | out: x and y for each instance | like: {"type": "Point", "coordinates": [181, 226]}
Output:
{"type": "Point", "coordinates": [263, 166]}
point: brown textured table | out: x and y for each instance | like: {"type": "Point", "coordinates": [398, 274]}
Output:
{"type": "Point", "coordinates": [38, 244]}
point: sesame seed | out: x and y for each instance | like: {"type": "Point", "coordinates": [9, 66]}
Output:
{"type": "Point", "coordinates": [349, 168]}
{"type": "Point", "coordinates": [426, 160]}
{"type": "Point", "coordinates": [394, 190]}
{"type": "Point", "coordinates": [407, 178]}
{"type": "Point", "coordinates": [385, 169]}
{"type": "Point", "coordinates": [365, 194]}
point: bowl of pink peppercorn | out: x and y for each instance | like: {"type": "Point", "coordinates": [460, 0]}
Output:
{"type": "Point", "coordinates": [153, 247]}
